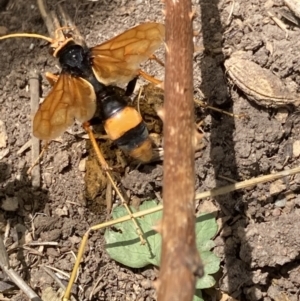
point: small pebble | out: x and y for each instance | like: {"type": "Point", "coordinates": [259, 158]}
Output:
{"type": "Point", "coordinates": [82, 165]}
{"type": "Point", "coordinates": [277, 187]}
{"type": "Point", "coordinates": [146, 284]}
{"type": "Point", "coordinates": [10, 204]}
{"type": "Point", "coordinates": [62, 211]}
{"type": "Point", "coordinates": [280, 203]}
{"type": "Point", "coordinates": [61, 160]}
{"type": "Point", "coordinates": [296, 148]}
{"type": "Point", "coordinates": [3, 135]}
{"type": "Point", "coordinates": [47, 179]}
{"type": "Point", "coordinates": [282, 115]}
{"type": "Point", "coordinates": [276, 212]}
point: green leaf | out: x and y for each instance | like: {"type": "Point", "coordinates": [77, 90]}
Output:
{"type": "Point", "coordinates": [206, 229]}
{"type": "Point", "coordinates": [198, 296]}
{"type": "Point", "coordinates": [123, 243]}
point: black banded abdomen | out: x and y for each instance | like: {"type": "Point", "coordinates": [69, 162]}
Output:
{"type": "Point", "coordinates": [128, 131]}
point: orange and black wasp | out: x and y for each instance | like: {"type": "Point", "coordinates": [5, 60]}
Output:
{"type": "Point", "coordinates": [86, 80]}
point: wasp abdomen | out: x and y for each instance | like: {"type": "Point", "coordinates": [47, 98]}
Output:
{"type": "Point", "coordinates": [128, 131]}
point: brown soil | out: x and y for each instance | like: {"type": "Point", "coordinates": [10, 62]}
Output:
{"type": "Point", "coordinates": [259, 244]}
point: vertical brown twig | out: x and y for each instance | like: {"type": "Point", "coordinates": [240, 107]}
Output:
{"type": "Point", "coordinates": [180, 262]}
{"type": "Point", "coordinates": [34, 84]}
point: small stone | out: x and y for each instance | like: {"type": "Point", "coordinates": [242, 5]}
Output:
{"type": "Point", "coordinates": [277, 187]}
{"type": "Point", "coordinates": [47, 179]}
{"type": "Point", "coordinates": [255, 292]}
{"type": "Point", "coordinates": [10, 204]}
{"type": "Point", "coordinates": [82, 165]}
{"type": "Point", "coordinates": [3, 135]}
{"type": "Point", "coordinates": [207, 206]}
{"type": "Point", "coordinates": [296, 148]}
{"type": "Point", "coordinates": [19, 177]}
{"type": "Point", "coordinates": [146, 284]}
{"type": "Point", "coordinates": [276, 212]}
{"type": "Point", "coordinates": [282, 115]}
{"type": "Point", "coordinates": [61, 160]}
{"type": "Point", "coordinates": [280, 203]}
{"type": "Point", "coordinates": [62, 211]}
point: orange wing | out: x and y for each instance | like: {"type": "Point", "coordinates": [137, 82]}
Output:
{"type": "Point", "coordinates": [71, 97]}
{"type": "Point", "coordinates": [117, 60]}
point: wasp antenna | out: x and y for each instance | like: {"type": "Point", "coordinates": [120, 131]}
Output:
{"type": "Point", "coordinates": [65, 18]}
{"type": "Point", "coordinates": [46, 17]}
{"type": "Point", "coordinates": [68, 22]}
{"type": "Point", "coordinates": [26, 35]}
{"type": "Point", "coordinates": [58, 31]}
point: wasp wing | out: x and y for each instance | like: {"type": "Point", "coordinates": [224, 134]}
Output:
{"type": "Point", "coordinates": [117, 60]}
{"type": "Point", "coordinates": [71, 97]}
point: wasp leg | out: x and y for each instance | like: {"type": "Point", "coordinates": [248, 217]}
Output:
{"type": "Point", "coordinates": [38, 158]}
{"type": "Point", "coordinates": [155, 58]}
{"type": "Point", "coordinates": [100, 157]}
{"type": "Point", "coordinates": [107, 170]}
{"type": "Point", "coordinates": [149, 78]}
{"type": "Point", "coordinates": [51, 78]}
{"type": "Point", "coordinates": [204, 105]}
{"type": "Point", "coordinates": [131, 86]}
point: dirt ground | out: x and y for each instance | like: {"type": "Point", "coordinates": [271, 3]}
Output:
{"type": "Point", "coordinates": [259, 243]}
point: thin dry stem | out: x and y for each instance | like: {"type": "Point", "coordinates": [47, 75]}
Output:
{"type": "Point", "coordinates": [35, 146]}
{"type": "Point", "coordinates": [14, 276]}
